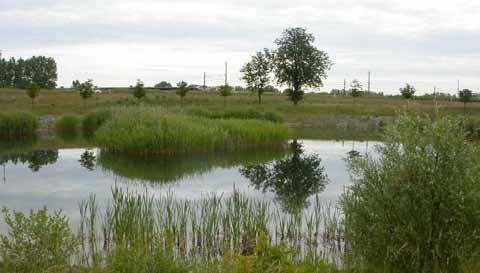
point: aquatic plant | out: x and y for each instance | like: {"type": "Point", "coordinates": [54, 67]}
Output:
{"type": "Point", "coordinates": [236, 114]}
{"type": "Point", "coordinates": [147, 131]}
{"type": "Point", "coordinates": [92, 121]}
{"type": "Point", "coordinates": [17, 125]}
{"type": "Point", "coordinates": [67, 124]}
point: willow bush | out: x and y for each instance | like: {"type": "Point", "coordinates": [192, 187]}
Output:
{"type": "Point", "coordinates": [415, 207]}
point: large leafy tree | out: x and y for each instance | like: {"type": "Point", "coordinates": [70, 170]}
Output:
{"type": "Point", "coordinates": [298, 63]}
{"type": "Point", "coordinates": [465, 96]}
{"type": "Point", "coordinates": [256, 73]}
{"type": "Point", "coordinates": [20, 73]}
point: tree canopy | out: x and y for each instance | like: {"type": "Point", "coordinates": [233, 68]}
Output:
{"type": "Point", "coordinates": [139, 90]}
{"type": "Point", "coordinates": [163, 85]}
{"type": "Point", "coordinates": [182, 90]}
{"type": "Point", "coordinates": [256, 73]}
{"type": "Point", "coordinates": [408, 91]}
{"type": "Point", "coordinates": [356, 89]}
{"type": "Point", "coordinates": [298, 63]}
{"type": "Point", "coordinates": [39, 70]}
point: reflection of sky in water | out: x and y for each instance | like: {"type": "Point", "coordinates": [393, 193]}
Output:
{"type": "Point", "coordinates": [66, 183]}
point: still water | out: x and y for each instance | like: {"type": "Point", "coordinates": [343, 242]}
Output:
{"type": "Point", "coordinates": [61, 179]}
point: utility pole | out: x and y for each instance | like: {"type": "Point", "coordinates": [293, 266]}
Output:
{"type": "Point", "coordinates": [368, 82]}
{"type": "Point", "coordinates": [204, 81]}
{"type": "Point", "coordinates": [226, 70]}
{"type": "Point", "coordinates": [344, 87]}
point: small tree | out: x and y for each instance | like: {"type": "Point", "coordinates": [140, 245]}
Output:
{"type": "Point", "coordinates": [298, 63]}
{"type": "Point", "coordinates": [355, 89]}
{"type": "Point", "coordinates": [32, 91]}
{"type": "Point", "coordinates": [139, 90]}
{"type": "Point", "coordinates": [408, 91]}
{"type": "Point", "coordinates": [86, 91]}
{"type": "Point", "coordinates": [256, 73]}
{"type": "Point", "coordinates": [182, 90]}
{"type": "Point", "coordinates": [465, 96]}
{"type": "Point", "coordinates": [225, 91]}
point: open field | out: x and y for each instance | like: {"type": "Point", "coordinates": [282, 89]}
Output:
{"type": "Point", "coordinates": [60, 102]}
{"type": "Point", "coordinates": [317, 116]}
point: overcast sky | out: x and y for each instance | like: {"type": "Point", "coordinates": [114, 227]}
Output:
{"type": "Point", "coordinates": [114, 42]}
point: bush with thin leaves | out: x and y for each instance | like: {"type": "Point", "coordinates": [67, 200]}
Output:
{"type": "Point", "coordinates": [416, 206]}
{"type": "Point", "coordinates": [38, 242]}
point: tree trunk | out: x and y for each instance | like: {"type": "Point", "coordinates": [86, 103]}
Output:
{"type": "Point", "coordinates": [259, 98]}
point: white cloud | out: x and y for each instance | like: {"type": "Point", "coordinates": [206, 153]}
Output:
{"type": "Point", "coordinates": [116, 42]}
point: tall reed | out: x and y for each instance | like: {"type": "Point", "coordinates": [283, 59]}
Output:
{"type": "Point", "coordinates": [17, 125]}
{"type": "Point", "coordinates": [146, 131]}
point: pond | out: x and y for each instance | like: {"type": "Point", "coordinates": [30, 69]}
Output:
{"type": "Point", "coordinates": [62, 178]}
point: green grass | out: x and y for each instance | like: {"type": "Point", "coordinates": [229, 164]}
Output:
{"type": "Point", "coordinates": [236, 114]}
{"type": "Point", "coordinates": [67, 124]}
{"type": "Point", "coordinates": [145, 130]}
{"type": "Point", "coordinates": [17, 125]}
{"type": "Point", "coordinates": [92, 121]}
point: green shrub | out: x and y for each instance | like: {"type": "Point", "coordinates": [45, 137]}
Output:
{"type": "Point", "coordinates": [415, 207]}
{"type": "Point", "coordinates": [36, 243]}
{"type": "Point", "coordinates": [92, 121]}
{"type": "Point", "coordinates": [148, 131]}
{"type": "Point", "coordinates": [17, 125]}
{"type": "Point", "coordinates": [67, 124]}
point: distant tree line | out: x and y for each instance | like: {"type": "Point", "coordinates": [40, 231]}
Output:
{"type": "Point", "coordinates": [39, 70]}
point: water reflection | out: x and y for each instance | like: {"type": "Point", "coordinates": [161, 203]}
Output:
{"type": "Point", "coordinates": [34, 159]}
{"type": "Point", "coordinates": [88, 160]}
{"type": "Point", "coordinates": [155, 170]}
{"type": "Point", "coordinates": [292, 179]}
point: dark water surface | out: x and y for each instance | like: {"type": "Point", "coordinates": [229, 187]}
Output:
{"type": "Point", "coordinates": [62, 178]}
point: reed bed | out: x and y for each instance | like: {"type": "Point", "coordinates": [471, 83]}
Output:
{"type": "Point", "coordinates": [207, 229]}
{"type": "Point", "coordinates": [17, 125]}
{"type": "Point", "coordinates": [67, 124]}
{"type": "Point", "coordinates": [236, 114]}
{"type": "Point", "coordinates": [92, 121]}
{"type": "Point", "coordinates": [147, 131]}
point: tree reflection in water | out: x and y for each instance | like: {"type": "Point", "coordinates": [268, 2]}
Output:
{"type": "Point", "coordinates": [35, 159]}
{"type": "Point", "coordinates": [88, 160]}
{"type": "Point", "coordinates": [292, 179]}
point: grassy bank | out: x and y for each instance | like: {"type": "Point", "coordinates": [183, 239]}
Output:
{"type": "Point", "coordinates": [144, 131]}
{"type": "Point", "coordinates": [309, 117]}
